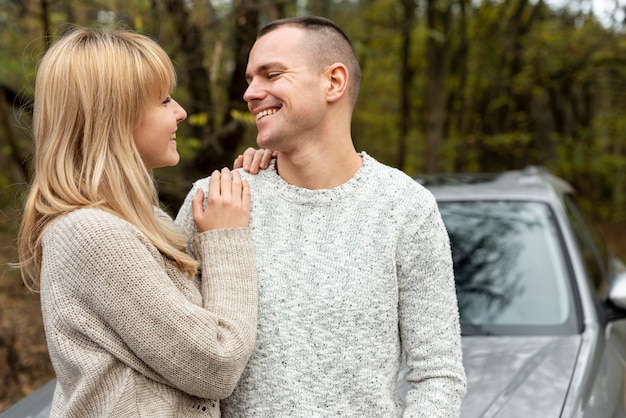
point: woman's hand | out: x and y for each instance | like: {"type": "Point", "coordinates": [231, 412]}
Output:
{"type": "Point", "coordinates": [228, 203]}
{"type": "Point", "coordinates": [252, 160]}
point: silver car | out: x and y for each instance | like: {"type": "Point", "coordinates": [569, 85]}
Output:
{"type": "Point", "coordinates": [542, 303]}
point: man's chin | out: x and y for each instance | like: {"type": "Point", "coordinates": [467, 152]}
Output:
{"type": "Point", "coordinates": [264, 142]}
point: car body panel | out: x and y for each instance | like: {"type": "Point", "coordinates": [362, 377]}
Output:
{"type": "Point", "coordinates": [517, 376]}
{"type": "Point", "coordinates": [597, 388]}
{"type": "Point", "coordinates": [597, 371]}
{"type": "Point", "coordinates": [36, 405]}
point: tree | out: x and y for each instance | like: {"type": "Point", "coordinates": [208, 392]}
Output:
{"type": "Point", "coordinates": [438, 23]}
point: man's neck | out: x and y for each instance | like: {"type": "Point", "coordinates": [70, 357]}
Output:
{"type": "Point", "coordinates": [318, 170]}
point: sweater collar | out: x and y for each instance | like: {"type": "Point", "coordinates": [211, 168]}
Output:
{"type": "Point", "coordinates": [320, 196]}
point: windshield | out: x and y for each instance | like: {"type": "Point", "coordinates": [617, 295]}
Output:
{"type": "Point", "coordinates": [511, 276]}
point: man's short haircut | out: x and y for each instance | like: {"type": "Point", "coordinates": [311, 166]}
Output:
{"type": "Point", "coordinates": [329, 44]}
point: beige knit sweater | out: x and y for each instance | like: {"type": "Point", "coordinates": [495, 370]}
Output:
{"type": "Point", "coordinates": [129, 334]}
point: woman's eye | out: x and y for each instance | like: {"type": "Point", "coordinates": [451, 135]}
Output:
{"type": "Point", "coordinates": [167, 100]}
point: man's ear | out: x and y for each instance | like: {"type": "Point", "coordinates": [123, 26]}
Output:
{"type": "Point", "coordinates": [338, 77]}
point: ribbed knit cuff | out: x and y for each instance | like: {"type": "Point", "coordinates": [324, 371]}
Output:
{"type": "Point", "coordinates": [229, 269]}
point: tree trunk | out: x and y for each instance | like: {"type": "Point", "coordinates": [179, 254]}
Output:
{"type": "Point", "coordinates": [7, 96]}
{"type": "Point", "coordinates": [192, 48]}
{"type": "Point", "coordinates": [437, 22]}
{"type": "Point", "coordinates": [406, 80]}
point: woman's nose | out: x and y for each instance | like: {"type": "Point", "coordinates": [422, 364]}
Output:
{"type": "Point", "coordinates": [181, 114]}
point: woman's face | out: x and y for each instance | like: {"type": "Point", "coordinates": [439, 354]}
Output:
{"type": "Point", "coordinates": [155, 134]}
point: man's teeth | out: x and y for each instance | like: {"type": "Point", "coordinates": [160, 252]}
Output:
{"type": "Point", "coordinates": [265, 113]}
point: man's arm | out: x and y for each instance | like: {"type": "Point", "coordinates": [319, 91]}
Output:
{"type": "Point", "coordinates": [428, 315]}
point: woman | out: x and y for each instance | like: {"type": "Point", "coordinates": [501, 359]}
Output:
{"type": "Point", "coordinates": [131, 329]}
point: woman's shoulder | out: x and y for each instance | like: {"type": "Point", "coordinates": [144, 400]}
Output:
{"type": "Point", "coordinates": [83, 216]}
{"type": "Point", "coordinates": [90, 235]}
{"type": "Point", "coordinates": [87, 223]}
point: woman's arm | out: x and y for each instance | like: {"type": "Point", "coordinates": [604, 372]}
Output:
{"type": "Point", "coordinates": [107, 282]}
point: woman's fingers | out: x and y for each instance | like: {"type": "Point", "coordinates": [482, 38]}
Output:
{"type": "Point", "coordinates": [245, 196]}
{"type": "Point", "coordinates": [226, 184]}
{"type": "Point", "coordinates": [228, 203]}
{"type": "Point", "coordinates": [240, 192]}
{"type": "Point", "coordinates": [266, 157]}
{"type": "Point", "coordinates": [253, 160]}
{"type": "Point", "coordinates": [215, 186]}
{"type": "Point", "coordinates": [197, 208]}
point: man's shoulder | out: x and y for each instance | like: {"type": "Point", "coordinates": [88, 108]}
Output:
{"type": "Point", "coordinates": [386, 171]}
{"type": "Point", "coordinates": [393, 181]}
{"type": "Point", "coordinates": [203, 183]}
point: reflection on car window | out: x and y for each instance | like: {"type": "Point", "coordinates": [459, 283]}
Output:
{"type": "Point", "coordinates": [509, 267]}
{"type": "Point", "coordinates": [593, 252]}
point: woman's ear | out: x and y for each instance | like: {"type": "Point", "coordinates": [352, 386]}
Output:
{"type": "Point", "coordinates": [338, 77]}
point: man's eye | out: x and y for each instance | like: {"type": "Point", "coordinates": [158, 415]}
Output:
{"type": "Point", "coordinates": [272, 75]}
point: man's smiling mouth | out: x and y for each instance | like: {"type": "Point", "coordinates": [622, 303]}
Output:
{"type": "Point", "coordinates": [265, 113]}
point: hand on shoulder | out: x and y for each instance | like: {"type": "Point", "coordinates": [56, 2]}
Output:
{"type": "Point", "coordinates": [228, 202]}
{"type": "Point", "coordinates": [253, 160]}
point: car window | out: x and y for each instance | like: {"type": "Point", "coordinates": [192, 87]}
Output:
{"type": "Point", "coordinates": [511, 275]}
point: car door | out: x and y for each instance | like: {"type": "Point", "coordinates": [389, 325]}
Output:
{"type": "Point", "coordinates": [603, 387]}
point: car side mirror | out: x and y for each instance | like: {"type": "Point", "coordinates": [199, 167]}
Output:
{"type": "Point", "coordinates": [617, 291]}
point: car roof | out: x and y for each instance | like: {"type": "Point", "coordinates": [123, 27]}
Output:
{"type": "Point", "coordinates": [530, 183]}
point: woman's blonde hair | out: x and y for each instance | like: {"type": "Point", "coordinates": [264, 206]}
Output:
{"type": "Point", "coordinates": [91, 87]}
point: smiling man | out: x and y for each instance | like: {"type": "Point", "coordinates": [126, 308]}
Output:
{"type": "Point", "coordinates": [354, 260]}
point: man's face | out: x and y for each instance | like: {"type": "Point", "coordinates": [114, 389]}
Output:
{"type": "Point", "coordinates": [286, 90]}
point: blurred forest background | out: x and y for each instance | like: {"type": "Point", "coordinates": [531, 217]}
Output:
{"type": "Point", "coordinates": [448, 86]}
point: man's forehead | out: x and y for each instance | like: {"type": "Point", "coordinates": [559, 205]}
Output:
{"type": "Point", "coordinates": [283, 29]}
{"type": "Point", "coordinates": [279, 38]}
{"type": "Point", "coordinates": [277, 50]}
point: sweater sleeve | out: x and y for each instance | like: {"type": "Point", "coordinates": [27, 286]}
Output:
{"type": "Point", "coordinates": [229, 291]}
{"type": "Point", "coordinates": [428, 316]}
{"type": "Point", "coordinates": [115, 287]}
{"type": "Point", "coordinates": [184, 218]}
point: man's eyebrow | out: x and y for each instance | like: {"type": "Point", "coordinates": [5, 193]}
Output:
{"type": "Point", "coordinates": [263, 68]}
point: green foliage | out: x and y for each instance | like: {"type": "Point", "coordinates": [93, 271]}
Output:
{"type": "Point", "coordinates": [524, 83]}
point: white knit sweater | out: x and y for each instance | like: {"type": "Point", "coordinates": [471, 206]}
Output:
{"type": "Point", "coordinates": [348, 279]}
{"type": "Point", "coordinates": [129, 334]}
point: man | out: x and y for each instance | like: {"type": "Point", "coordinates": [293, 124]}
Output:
{"type": "Point", "coordinates": [354, 260]}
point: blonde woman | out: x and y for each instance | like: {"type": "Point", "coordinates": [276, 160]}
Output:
{"type": "Point", "coordinates": [131, 329]}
